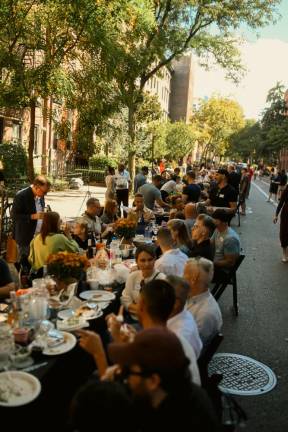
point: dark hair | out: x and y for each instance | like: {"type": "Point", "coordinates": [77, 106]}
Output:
{"type": "Point", "coordinates": [191, 174]}
{"type": "Point", "coordinates": [145, 169]}
{"type": "Point", "coordinates": [159, 297]}
{"type": "Point", "coordinates": [157, 177]}
{"type": "Point", "coordinates": [111, 170]}
{"type": "Point", "coordinates": [91, 201]}
{"type": "Point", "coordinates": [50, 225]}
{"type": "Point", "coordinates": [138, 195]}
{"type": "Point", "coordinates": [179, 215]}
{"type": "Point", "coordinates": [101, 399]}
{"type": "Point", "coordinates": [150, 250]}
{"type": "Point", "coordinates": [207, 222]}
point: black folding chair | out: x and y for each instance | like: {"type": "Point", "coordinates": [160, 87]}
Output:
{"type": "Point", "coordinates": [229, 279]}
{"type": "Point", "coordinates": [206, 355]}
{"type": "Point", "coordinates": [210, 384]}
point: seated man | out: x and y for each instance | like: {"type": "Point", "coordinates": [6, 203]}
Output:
{"type": "Point", "coordinates": [92, 215]}
{"type": "Point", "coordinates": [202, 305]}
{"type": "Point", "coordinates": [201, 233]}
{"type": "Point", "coordinates": [168, 188]}
{"type": "Point", "coordinates": [152, 194]}
{"type": "Point", "coordinates": [226, 244]}
{"type": "Point", "coordinates": [172, 261]}
{"type": "Point", "coordinates": [6, 282]}
{"type": "Point", "coordinates": [140, 212]}
{"type": "Point", "coordinates": [181, 321]}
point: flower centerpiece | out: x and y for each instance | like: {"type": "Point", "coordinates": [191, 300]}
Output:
{"type": "Point", "coordinates": [125, 228]}
{"type": "Point", "coordinates": [66, 267]}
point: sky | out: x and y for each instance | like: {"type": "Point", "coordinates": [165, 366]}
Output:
{"type": "Point", "coordinates": [266, 60]}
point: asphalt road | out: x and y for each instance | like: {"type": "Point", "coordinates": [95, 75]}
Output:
{"type": "Point", "coordinates": [260, 331]}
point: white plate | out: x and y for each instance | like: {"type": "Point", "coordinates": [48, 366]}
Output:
{"type": "Point", "coordinates": [64, 326]}
{"type": "Point", "coordinates": [69, 343]}
{"type": "Point", "coordinates": [68, 313]}
{"type": "Point", "coordinates": [3, 317]}
{"type": "Point", "coordinates": [97, 295]}
{"type": "Point", "coordinates": [22, 388]}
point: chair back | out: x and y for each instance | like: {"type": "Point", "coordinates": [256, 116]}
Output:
{"type": "Point", "coordinates": [207, 353]}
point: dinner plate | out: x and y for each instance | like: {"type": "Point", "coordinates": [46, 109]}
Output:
{"type": "Point", "coordinates": [97, 295]}
{"type": "Point", "coordinates": [62, 325]}
{"type": "Point", "coordinates": [18, 388]}
{"type": "Point", "coordinates": [3, 317]}
{"type": "Point", "coordinates": [68, 313]}
{"type": "Point", "coordinates": [69, 343]}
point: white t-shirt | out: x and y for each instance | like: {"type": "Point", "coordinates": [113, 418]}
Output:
{"type": "Point", "coordinates": [122, 180]}
{"type": "Point", "coordinates": [172, 262]}
{"type": "Point", "coordinates": [169, 186]}
{"type": "Point", "coordinates": [183, 324]}
{"type": "Point", "coordinates": [190, 354]}
{"type": "Point", "coordinates": [39, 208]}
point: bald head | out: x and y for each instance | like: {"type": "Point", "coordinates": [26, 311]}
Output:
{"type": "Point", "coordinates": [190, 211]}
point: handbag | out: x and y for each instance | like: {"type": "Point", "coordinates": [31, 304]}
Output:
{"type": "Point", "coordinates": [11, 250]}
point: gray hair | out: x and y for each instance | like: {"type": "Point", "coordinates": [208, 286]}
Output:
{"type": "Point", "coordinates": [205, 266]}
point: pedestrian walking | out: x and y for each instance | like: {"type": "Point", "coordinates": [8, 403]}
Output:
{"type": "Point", "coordinates": [283, 210]}
{"type": "Point", "coordinates": [274, 183]}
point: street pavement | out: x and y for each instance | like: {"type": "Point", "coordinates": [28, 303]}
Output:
{"type": "Point", "coordinates": [260, 331]}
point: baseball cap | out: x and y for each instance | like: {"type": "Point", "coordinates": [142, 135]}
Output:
{"type": "Point", "coordinates": [153, 349]}
{"type": "Point", "coordinates": [223, 171]}
{"type": "Point", "coordinates": [221, 215]}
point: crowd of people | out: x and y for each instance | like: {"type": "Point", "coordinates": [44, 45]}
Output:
{"type": "Point", "coordinates": [170, 315]}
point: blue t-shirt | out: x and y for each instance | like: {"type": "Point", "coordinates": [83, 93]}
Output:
{"type": "Point", "coordinates": [225, 243]}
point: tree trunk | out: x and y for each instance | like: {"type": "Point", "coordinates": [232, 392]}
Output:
{"type": "Point", "coordinates": [132, 144]}
{"type": "Point", "coordinates": [31, 140]}
{"type": "Point", "coordinates": [50, 136]}
{"type": "Point", "coordinates": [44, 136]}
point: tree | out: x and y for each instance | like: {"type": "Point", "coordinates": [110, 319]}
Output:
{"type": "Point", "coordinates": [274, 123]}
{"type": "Point", "coordinates": [247, 142]}
{"type": "Point", "coordinates": [215, 121]}
{"type": "Point", "coordinates": [154, 32]}
{"type": "Point", "coordinates": [35, 53]}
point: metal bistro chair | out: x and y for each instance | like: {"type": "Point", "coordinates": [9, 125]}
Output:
{"type": "Point", "coordinates": [229, 279]}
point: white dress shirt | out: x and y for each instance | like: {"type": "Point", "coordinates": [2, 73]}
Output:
{"type": "Point", "coordinates": [132, 288]}
{"type": "Point", "coordinates": [190, 354]}
{"type": "Point", "coordinates": [172, 262]}
{"type": "Point", "coordinates": [183, 324]}
{"type": "Point", "coordinates": [39, 209]}
{"type": "Point", "coordinates": [207, 315]}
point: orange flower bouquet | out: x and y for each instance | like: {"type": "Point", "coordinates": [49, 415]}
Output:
{"type": "Point", "coordinates": [125, 228]}
{"type": "Point", "coordinates": [66, 266]}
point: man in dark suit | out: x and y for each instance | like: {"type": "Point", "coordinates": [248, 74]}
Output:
{"type": "Point", "coordinates": [27, 212]}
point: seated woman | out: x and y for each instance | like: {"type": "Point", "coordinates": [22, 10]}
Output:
{"type": "Point", "coordinates": [110, 212]}
{"type": "Point", "coordinates": [80, 233]}
{"type": "Point", "coordinates": [6, 281]}
{"type": "Point", "coordinates": [177, 205]}
{"type": "Point", "coordinates": [145, 258]}
{"type": "Point", "coordinates": [50, 241]}
{"type": "Point", "coordinates": [180, 235]}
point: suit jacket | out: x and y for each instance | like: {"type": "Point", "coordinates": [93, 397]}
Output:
{"type": "Point", "coordinates": [23, 226]}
